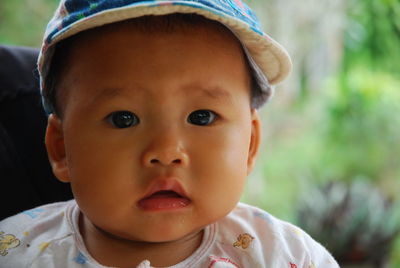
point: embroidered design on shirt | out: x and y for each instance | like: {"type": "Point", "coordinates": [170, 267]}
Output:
{"type": "Point", "coordinates": [222, 262]}
{"type": "Point", "coordinates": [80, 258]}
{"type": "Point", "coordinates": [297, 231]}
{"type": "Point", "coordinates": [43, 246]}
{"type": "Point", "coordinates": [292, 265]}
{"type": "Point", "coordinates": [263, 215]}
{"type": "Point", "coordinates": [243, 241]}
{"type": "Point", "coordinates": [7, 242]}
{"type": "Point", "coordinates": [33, 213]}
{"type": "Point", "coordinates": [312, 265]}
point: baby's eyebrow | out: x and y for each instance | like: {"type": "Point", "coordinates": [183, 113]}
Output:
{"type": "Point", "coordinates": [216, 93]}
{"type": "Point", "coordinates": [106, 93]}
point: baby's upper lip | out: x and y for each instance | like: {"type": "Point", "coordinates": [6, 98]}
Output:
{"type": "Point", "coordinates": [165, 184]}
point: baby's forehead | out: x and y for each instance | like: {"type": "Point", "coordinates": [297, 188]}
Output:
{"type": "Point", "coordinates": [153, 28]}
{"type": "Point", "coordinates": [210, 43]}
{"type": "Point", "coordinates": [177, 33]}
{"type": "Point", "coordinates": [204, 63]}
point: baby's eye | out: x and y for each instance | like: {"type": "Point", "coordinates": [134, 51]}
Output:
{"type": "Point", "coordinates": [123, 119]}
{"type": "Point", "coordinates": [202, 117]}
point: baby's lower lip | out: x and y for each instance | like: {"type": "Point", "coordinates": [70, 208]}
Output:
{"type": "Point", "coordinates": [161, 202]}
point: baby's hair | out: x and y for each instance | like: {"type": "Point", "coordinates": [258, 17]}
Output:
{"type": "Point", "coordinates": [147, 24]}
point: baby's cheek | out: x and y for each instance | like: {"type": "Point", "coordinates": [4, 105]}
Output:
{"type": "Point", "coordinates": [222, 179]}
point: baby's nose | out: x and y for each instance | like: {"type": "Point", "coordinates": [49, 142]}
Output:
{"type": "Point", "coordinates": [167, 158]}
{"type": "Point", "coordinates": [165, 151]}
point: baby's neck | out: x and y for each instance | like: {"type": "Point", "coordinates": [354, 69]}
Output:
{"type": "Point", "coordinates": [112, 251]}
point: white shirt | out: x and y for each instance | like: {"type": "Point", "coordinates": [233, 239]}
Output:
{"type": "Point", "coordinates": [48, 236]}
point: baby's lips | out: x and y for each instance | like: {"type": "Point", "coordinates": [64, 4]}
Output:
{"type": "Point", "coordinates": [164, 194]}
{"type": "Point", "coordinates": [165, 185]}
{"type": "Point", "coordinates": [163, 203]}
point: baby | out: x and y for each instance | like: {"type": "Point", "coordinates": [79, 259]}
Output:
{"type": "Point", "coordinates": [153, 122]}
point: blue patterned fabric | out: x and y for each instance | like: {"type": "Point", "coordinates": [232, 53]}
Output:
{"type": "Point", "coordinates": [72, 11]}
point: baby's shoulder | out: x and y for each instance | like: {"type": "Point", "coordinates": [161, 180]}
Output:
{"type": "Point", "coordinates": [49, 214]}
{"type": "Point", "coordinates": [26, 235]}
{"type": "Point", "coordinates": [263, 223]}
{"type": "Point", "coordinates": [274, 241]}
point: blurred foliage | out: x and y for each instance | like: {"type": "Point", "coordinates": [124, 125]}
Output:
{"type": "Point", "coordinates": [373, 35]}
{"type": "Point", "coordinates": [347, 219]}
{"type": "Point", "coordinates": [363, 125]}
{"type": "Point", "coordinates": [363, 107]}
{"type": "Point", "coordinates": [24, 22]}
{"type": "Point", "coordinates": [347, 131]}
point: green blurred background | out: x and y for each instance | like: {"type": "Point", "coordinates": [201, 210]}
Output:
{"type": "Point", "coordinates": [337, 118]}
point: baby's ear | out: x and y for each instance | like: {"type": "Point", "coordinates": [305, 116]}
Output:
{"type": "Point", "coordinates": [56, 148]}
{"type": "Point", "coordinates": [254, 141]}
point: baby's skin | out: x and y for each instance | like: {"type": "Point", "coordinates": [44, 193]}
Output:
{"type": "Point", "coordinates": [156, 138]}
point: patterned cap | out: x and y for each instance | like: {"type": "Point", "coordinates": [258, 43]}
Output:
{"type": "Point", "coordinates": [269, 61]}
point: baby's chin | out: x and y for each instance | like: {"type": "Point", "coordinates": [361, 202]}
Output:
{"type": "Point", "coordinates": [157, 236]}
{"type": "Point", "coordinates": [175, 238]}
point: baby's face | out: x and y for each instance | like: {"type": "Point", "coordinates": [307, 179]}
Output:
{"type": "Point", "coordinates": [157, 130]}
